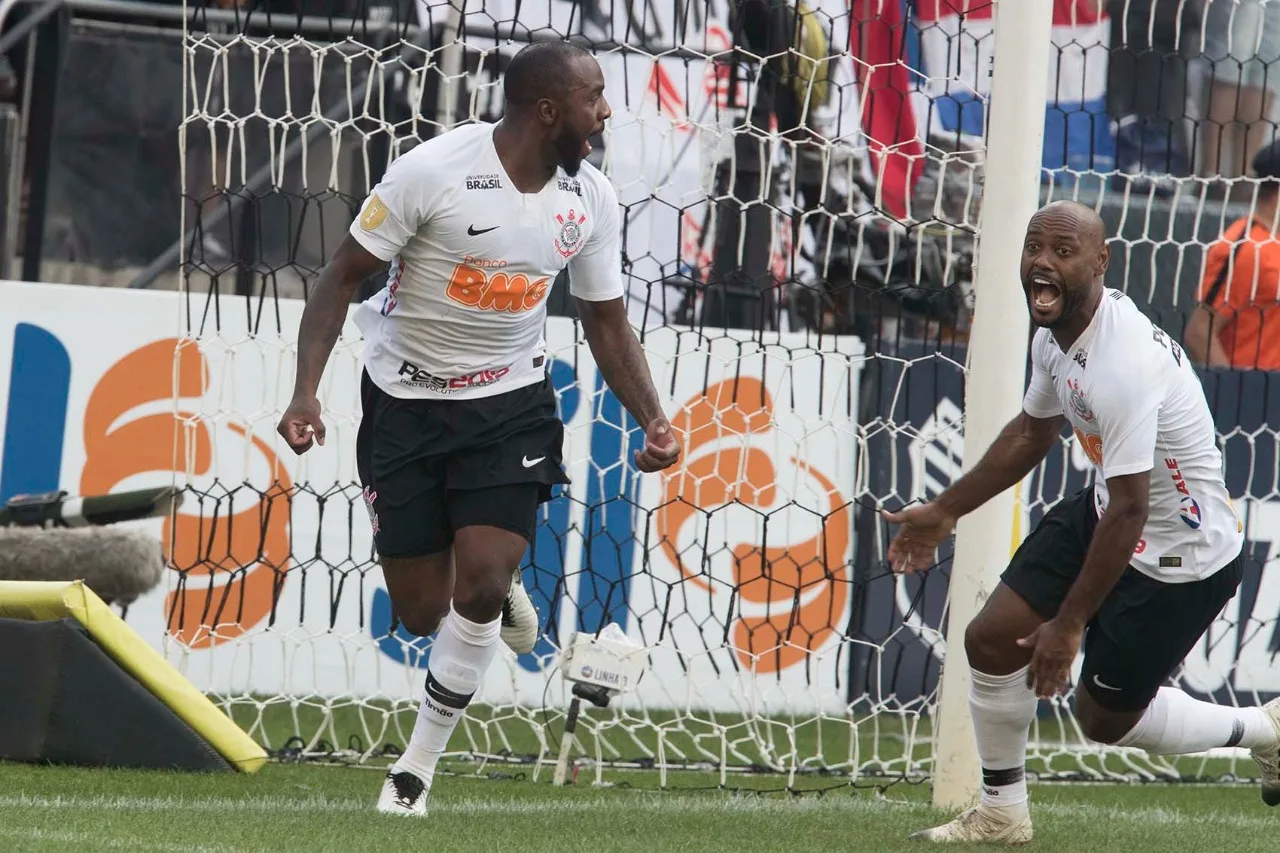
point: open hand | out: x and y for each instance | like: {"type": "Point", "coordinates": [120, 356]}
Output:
{"type": "Point", "coordinates": [300, 423]}
{"type": "Point", "coordinates": [661, 449]}
{"type": "Point", "coordinates": [1053, 649]}
{"type": "Point", "coordinates": [916, 545]}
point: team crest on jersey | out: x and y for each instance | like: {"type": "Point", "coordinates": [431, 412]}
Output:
{"type": "Point", "coordinates": [1078, 404]}
{"type": "Point", "coordinates": [569, 240]}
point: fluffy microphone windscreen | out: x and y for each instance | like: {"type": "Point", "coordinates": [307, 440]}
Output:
{"type": "Point", "coordinates": [118, 565]}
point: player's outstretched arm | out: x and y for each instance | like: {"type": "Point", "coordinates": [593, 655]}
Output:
{"type": "Point", "coordinates": [621, 361]}
{"type": "Point", "coordinates": [1019, 448]}
{"type": "Point", "coordinates": [322, 320]}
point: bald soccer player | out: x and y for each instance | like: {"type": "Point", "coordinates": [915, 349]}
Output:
{"type": "Point", "coordinates": [459, 439]}
{"type": "Point", "coordinates": [1136, 566]}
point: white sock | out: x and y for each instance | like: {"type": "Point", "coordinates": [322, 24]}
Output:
{"type": "Point", "coordinates": [1003, 707]}
{"type": "Point", "coordinates": [1177, 724]}
{"type": "Point", "coordinates": [460, 656]}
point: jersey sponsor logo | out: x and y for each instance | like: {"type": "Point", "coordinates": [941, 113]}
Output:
{"type": "Point", "coordinates": [1092, 446]}
{"type": "Point", "coordinates": [374, 214]}
{"type": "Point", "coordinates": [1189, 511]}
{"type": "Point", "coordinates": [1081, 358]}
{"type": "Point", "coordinates": [569, 185]}
{"type": "Point", "coordinates": [413, 376]}
{"type": "Point", "coordinates": [513, 293]}
{"type": "Point", "coordinates": [570, 237]}
{"type": "Point", "coordinates": [1075, 398]}
{"type": "Point", "coordinates": [484, 263]}
{"type": "Point", "coordinates": [1188, 508]}
{"type": "Point", "coordinates": [484, 182]}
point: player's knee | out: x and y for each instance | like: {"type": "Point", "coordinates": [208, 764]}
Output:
{"type": "Point", "coordinates": [1103, 728]}
{"type": "Point", "coordinates": [1100, 725]}
{"type": "Point", "coordinates": [480, 590]}
{"type": "Point", "coordinates": [423, 617]}
{"type": "Point", "coordinates": [983, 646]}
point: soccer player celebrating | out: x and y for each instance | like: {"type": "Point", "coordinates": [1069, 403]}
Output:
{"type": "Point", "coordinates": [1136, 567]}
{"type": "Point", "coordinates": [459, 440]}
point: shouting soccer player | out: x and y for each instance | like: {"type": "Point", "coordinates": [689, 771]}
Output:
{"type": "Point", "coordinates": [1136, 567]}
{"type": "Point", "coordinates": [459, 440]}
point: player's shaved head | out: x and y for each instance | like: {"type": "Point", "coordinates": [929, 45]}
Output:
{"type": "Point", "coordinates": [1072, 215]}
{"type": "Point", "coordinates": [1064, 257]}
{"type": "Point", "coordinates": [544, 69]}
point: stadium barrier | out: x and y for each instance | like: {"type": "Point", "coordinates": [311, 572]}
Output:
{"type": "Point", "coordinates": [274, 602]}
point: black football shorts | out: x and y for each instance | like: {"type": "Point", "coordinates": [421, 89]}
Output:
{"type": "Point", "coordinates": [431, 467]}
{"type": "Point", "coordinates": [1144, 628]}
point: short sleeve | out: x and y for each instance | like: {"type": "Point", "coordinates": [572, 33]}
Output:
{"type": "Point", "coordinates": [595, 273]}
{"type": "Point", "coordinates": [1041, 399]}
{"type": "Point", "coordinates": [1128, 410]}
{"type": "Point", "coordinates": [395, 210]}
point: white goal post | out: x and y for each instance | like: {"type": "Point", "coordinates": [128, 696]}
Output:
{"type": "Point", "coordinates": [997, 357]}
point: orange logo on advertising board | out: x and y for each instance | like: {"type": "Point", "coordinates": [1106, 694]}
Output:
{"type": "Point", "coordinates": [230, 543]}
{"type": "Point", "coordinates": [493, 289]}
{"type": "Point", "coordinates": [790, 597]}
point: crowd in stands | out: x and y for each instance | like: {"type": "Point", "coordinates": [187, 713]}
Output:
{"type": "Point", "coordinates": [1191, 84]}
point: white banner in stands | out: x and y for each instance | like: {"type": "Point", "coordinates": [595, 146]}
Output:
{"type": "Point", "coordinates": [749, 541]}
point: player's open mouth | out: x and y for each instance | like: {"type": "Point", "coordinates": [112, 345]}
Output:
{"type": "Point", "coordinates": [1044, 293]}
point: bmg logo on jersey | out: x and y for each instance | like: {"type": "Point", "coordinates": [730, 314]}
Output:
{"type": "Point", "coordinates": [482, 283]}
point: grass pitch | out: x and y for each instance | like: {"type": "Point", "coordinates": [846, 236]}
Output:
{"type": "Point", "coordinates": [309, 809]}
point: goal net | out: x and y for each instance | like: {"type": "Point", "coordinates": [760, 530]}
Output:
{"type": "Point", "coordinates": [801, 182]}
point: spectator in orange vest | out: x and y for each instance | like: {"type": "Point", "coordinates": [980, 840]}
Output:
{"type": "Point", "coordinates": [1237, 323]}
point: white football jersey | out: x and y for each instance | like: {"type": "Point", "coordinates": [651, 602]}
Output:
{"type": "Point", "coordinates": [472, 263]}
{"type": "Point", "coordinates": [1136, 405]}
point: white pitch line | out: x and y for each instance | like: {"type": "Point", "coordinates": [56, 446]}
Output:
{"type": "Point", "coordinates": [95, 841]}
{"type": "Point", "coordinates": [656, 803]}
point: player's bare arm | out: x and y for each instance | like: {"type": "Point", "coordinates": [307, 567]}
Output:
{"type": "Point", "coordinates": [1020, 447]}
{"type": "Point", "coordinates": [622, 362]}
{"type": "Point", "coordinates": [1056, 642]}
{"type": "Point", "coordinates": [322, 320]}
